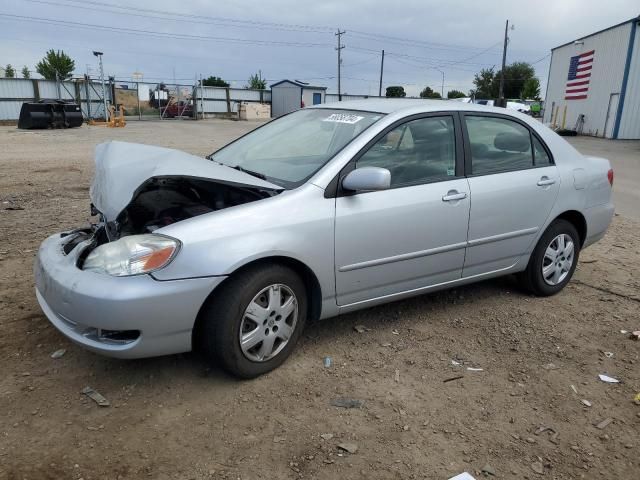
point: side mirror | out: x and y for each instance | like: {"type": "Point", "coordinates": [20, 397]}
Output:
{"type": "Point", "coordinates": [367, 179]}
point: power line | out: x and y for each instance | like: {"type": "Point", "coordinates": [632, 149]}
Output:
{"type": "Point", "coordinates": [541, 59]}
{"type": "Point", "coordinates": [238, 23]}
{"type": "Point", "coordinates": [255, 23]}
{"type": "Point", "coordinates": [196, 19]}
{"type": "Point", "coordinates": [406, 41]}
{"type": "Point", "coordinates": [415, 64]}
{"type": "Point", "coordinates": [149, 33]}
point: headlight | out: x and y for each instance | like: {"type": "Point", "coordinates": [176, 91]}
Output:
{"type": "Point", "coordinates": [132, 255]}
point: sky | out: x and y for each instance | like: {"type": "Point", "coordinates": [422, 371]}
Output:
{"type": "Point", "coordinates": [295, 39]}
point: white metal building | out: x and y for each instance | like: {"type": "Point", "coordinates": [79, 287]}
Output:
{"type": "Point", "coordinates": [598, 77]}
{"type": "Point", "coordinates": [290, 95]}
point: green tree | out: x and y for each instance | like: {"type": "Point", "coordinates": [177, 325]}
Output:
{"type": "Point", "coordinates": [25, 72]}
{"type": "Point", "coordinates": [515, 76]}
{"type": "Point", "coordinates": [483, 82]}
{"type": "Point", "coordinates": [56, 63]}
{"type": "Point", "coordinates": [256, 82]}
{"type": "Point", "coordinates": [395, 91]}
{"type": "Point", "coordinates": [487, 81]}
{"type": "Point", "coordinates": [531, 89]}
{"type": "Point", "coordinates": [455, 94]}
{"type": "Point", "coordinates": [9, 71]}
{"type": "Point", "coordinates": [428, 92]}
{"type": "Point", "coordinates": [214, 82]}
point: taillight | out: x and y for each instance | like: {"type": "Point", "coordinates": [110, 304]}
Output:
{"type": "Point", "coordinates": [610, 176]}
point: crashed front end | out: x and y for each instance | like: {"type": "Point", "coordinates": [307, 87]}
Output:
{"type": "Point", "coordinates": [96, 285]}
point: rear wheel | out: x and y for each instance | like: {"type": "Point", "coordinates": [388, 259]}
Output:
{"type": "Point", "coordinates": [553, 261]}
{"type": "Point", "coordinates": [252, 324]}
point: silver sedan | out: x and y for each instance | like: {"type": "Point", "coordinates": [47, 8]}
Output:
{"type": "Point", "coordinates": [320, 212]}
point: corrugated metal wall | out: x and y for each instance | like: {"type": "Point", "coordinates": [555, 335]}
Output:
{"type": "Point", "coordinates": [630, 120]}
{"type": "Point", "coordinates": [286, 98]}
{"type": "Point", "coordinates": [211, 100]}
{"type": "Point", "coordinates": [15, 91]}
{"type": "Point", "coordinates": [611, 48]}
{"type": "Point", "coordinates": [333, 97]}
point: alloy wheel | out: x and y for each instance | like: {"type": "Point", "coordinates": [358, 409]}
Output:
{"type": "Point", "coordinates": [558, 259]}
{"type": "Point", "coordinates": [268, 323]}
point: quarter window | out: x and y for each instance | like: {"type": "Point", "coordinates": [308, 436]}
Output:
{"type": "Point", "coordinates": [419, 151]}
{"type": "Point", "coordinates": [498, 145]}
{"type": "Point", "coordinates": [541, 156]}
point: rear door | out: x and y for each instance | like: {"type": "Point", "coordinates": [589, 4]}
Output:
{"type": "Point", "coordinates": [414, 234]}
{"type": "Point", "coordinates": [514, 185]}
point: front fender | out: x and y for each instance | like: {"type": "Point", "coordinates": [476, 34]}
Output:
{"type": "Point", "coordinates": [297, 224]}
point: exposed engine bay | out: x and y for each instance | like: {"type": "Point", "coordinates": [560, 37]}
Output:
{"type": "Point", "coordinates": [138, 189]}
{"type": "Point", "coordinates": [161, 201]}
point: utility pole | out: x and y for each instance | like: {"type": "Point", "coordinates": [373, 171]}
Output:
{"type": "Point", "coordinates": [381, 70]}
{"type": "Point", "coordinates": [104, 92]}
{"type": "Point", "coordinates": [339, 48]}
{"type": "Point", "coordinates": [504, 61]}
{"type": "Point", "coordinates": [442, 87]}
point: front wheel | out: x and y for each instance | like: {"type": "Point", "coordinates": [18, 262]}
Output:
{"type": "Point", "coordinates": [254, 320]}
{"type": "Point", "coordinates": [553, 261]}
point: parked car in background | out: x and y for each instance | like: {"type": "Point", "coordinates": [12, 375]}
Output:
{"type": "Point", "coordinates": [178, 109]}
{"type": "Point", "coordinates": [511, 104]}
{"type": "Point", "coordinates": [320, 212]}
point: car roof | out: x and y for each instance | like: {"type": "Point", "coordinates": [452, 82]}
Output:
{"type": "Point", "coordinates": [397, 105]}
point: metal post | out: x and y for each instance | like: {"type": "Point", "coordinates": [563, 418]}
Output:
{"type": "Point", "coordinates": [104, 92]}
{"type": "Point", "coordinates": [442, 90]}
{"type": "Point", "coordinates": [201, 97]}
{"type": "Point", "coordinates": [88, 95]}
{"type": "Point", "coordinates": [504, 61]}
{"type": "Point", "coordinates": [339, 49]}
{"type": "Point", "coordinates": [138, 97]}
{"type": "Point", "coordinates": [58, 86]}
{"type": "Point", "coordinates": [381, 70]}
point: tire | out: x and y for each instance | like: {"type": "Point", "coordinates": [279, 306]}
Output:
{"type": "Point", "coordinates": [225, 315]}
{"type": "Point", "coordinates": [559, 273]}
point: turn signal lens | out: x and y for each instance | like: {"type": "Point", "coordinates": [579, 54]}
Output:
{"type": "Point", "coordinates": [610, 176]}
{"type": "Point", "coordinates": [132, 255]}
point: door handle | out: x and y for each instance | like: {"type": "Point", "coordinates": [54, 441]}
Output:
{"type": "Point", "coordinates": [453, 195]}
{"type": "Point", "coordinates": [544, 181]}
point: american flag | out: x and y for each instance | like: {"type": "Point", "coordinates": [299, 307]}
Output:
{"type": "Point", "coordinates": [579, 76]}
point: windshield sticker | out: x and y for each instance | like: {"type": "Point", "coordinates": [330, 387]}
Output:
{"type": "Point", "coordinates": [343, 118]}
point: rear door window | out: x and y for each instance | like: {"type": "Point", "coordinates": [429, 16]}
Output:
{"type": "Point", "coordinates": [498, 145]}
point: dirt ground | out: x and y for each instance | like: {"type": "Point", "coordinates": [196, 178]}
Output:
{"type": "Point", "coordinates": [176, 418]}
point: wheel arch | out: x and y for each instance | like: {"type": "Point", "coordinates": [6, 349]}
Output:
{"type": "Point", "coordinates": [578, 220]}
{"type": "Point", "coordinates": [309, 278]}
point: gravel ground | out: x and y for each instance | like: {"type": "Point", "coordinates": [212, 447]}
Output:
{"type": "Point", "coordinates": [532, 412]}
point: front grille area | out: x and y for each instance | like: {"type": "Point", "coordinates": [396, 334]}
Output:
{"type": "Point", "coordinates": [111, 337]}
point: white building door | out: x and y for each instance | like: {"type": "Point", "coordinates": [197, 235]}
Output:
{"type": "Point", "coordinates": [612, 111]}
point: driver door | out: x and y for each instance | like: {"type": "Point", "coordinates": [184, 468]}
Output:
{"type": "Point", "coordinates": [414, 234]}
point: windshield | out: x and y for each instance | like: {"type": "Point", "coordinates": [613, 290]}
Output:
{"type": "Point", "coordinates": [289, 150]}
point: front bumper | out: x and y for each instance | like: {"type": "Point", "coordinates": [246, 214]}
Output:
{"type": "Point", "coordinates": [124, 317]}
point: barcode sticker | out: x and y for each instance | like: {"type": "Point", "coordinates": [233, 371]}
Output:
{"type": "Point", "coordinates": [343, 118]}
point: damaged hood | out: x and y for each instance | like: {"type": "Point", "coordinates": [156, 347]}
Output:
{"type": "Point", "coordinates": [122, 167]}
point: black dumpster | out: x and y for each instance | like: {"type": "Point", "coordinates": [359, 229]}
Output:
{"type": "Point", "coordinates": [50, 114]}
